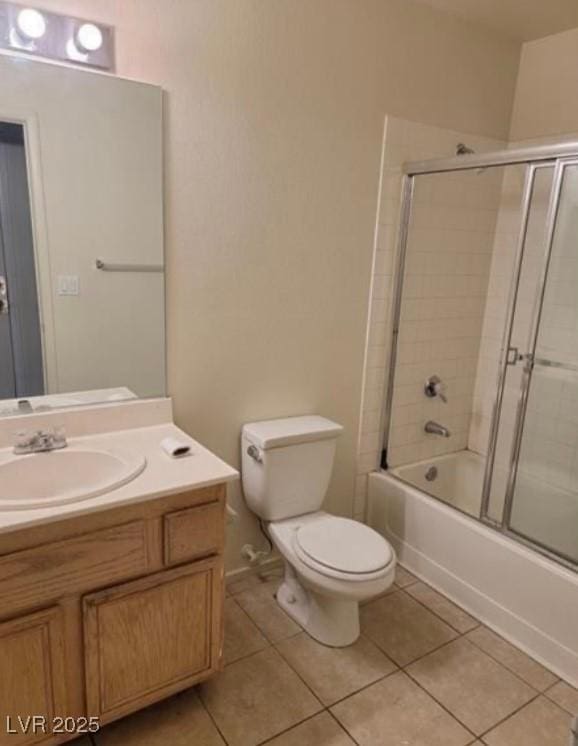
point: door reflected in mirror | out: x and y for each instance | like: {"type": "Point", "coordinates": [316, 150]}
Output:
{"type": "Point", "coordinates": [21, 361]}
{"type": "Point", "coordinates": [81, 238]}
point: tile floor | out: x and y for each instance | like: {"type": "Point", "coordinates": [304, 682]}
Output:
{"type": "Point", "coordinates": [423, 673]}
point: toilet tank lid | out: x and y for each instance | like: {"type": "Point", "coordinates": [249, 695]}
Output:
{"type": "Point", "coordinates": [290, 431]}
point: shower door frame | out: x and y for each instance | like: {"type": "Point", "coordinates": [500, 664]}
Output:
{"type": "Point", "coordinates": [557, 157]}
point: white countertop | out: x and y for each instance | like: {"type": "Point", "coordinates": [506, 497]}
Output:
{"type": "Point", "coordinates": [163, 475]}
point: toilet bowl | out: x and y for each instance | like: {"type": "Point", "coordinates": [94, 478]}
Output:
{"type": "Point", "coordinates": [331, 563]}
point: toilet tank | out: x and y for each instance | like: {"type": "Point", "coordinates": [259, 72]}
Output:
{"type": "Point", "coordinates": [286, 465]}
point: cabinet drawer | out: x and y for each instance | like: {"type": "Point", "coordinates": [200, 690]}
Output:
{"type": "Point", "coordinates": [193, 533]}
{"type": "Point", "coordinates": [32, 577]}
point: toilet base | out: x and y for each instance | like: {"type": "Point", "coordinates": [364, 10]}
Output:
{"type": "Point", "coordinates": [331, 621]}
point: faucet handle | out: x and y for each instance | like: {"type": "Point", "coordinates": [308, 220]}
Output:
{"type": "Point", "coordinates": [22, 437]}
{"type": "Point", "coordinates": [434, 386]}
{"type": "Point", "coordinates": [55, 437]}
{"type": "Point", "coordinates": [26, 440]}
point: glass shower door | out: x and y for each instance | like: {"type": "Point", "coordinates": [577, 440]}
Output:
{"type": "Point", "coordinates": [523, 274]}
{"type": "Point", "coordinates": [542, 494]}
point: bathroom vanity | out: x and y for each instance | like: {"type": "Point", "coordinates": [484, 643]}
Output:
{"type": "Point", "coordinates": [110, 603]}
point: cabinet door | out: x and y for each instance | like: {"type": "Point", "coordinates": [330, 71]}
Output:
{"type": "Point", "coordinates": [32, 688]}
{"type": "Point", "coordinates": [152, 637]}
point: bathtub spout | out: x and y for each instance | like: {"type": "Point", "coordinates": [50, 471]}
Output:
{"type": "Point", "coordinates": [434, 428]}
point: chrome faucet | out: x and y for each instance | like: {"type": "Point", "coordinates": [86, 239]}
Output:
{"type": "Point", "coordinates": [40, 441]}
{"type": "Point", "coordinates": [434, 428]}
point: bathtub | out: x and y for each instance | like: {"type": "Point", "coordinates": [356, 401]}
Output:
{"type": "Point", "coordinates": [543, 512]}
{"type": "Point", "coordinates": [526, 597]}
{"type": "Point", "coordinates": [457, 480]}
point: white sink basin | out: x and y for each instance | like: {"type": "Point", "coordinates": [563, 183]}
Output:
{"type": "Point", "coordinates": [72, 474]}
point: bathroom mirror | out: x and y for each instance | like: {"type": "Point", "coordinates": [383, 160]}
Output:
{"type": "Point", "coordinates": [81, 237]}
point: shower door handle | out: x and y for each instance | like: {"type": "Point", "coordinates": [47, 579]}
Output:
{"type": "Point", "coordinates": [513, 356]}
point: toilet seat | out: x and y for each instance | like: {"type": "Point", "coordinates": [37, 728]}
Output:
{"type": "Point", "coordinates": [342, 548]}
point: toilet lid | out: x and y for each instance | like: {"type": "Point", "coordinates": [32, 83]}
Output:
{"type": "Point", "coordinates": [344, 545]}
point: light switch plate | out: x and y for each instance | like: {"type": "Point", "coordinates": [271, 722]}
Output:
{"type": "Point", "coordinates": [68, 285]}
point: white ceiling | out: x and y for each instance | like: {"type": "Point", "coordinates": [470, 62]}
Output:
{"type": "Point", "coordinates": [519, 19]}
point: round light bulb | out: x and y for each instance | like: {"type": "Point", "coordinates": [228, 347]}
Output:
{"type": "Point", "coordinates": [31, 24]}
{"type": "Point", "coordinates": [89, 38]}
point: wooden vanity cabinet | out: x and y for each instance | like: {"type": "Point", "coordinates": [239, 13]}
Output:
{"type": "Point", "coordinates": [151, 637]}
{"type": "Point", "coordinates": [107, 613]}
{"type": "Point", "coordinates": [31, 675]}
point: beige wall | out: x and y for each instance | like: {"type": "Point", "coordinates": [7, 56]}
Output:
{"type": "Point", "coordinates": [546, 101]}
{"type": "Point", "coordinates": [274, 126]}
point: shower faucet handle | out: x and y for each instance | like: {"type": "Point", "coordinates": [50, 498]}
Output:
{"type": "Point", "coordinates": [434, 386]}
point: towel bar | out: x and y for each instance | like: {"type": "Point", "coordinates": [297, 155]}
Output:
{"type": "Point", "coordinates": [111, 267]}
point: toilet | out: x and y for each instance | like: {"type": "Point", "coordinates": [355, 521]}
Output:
{"type": "Point", "coordinates": [331, 563]}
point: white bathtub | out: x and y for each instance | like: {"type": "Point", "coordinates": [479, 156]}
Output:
{"type": "Point", "coordinates": [458, 481]}
{"type": "Point", "coordinates": [541, 512]}
{"type": "Point", "coordinates": [528, 598]}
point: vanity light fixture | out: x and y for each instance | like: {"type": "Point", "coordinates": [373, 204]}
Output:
{"type": "Point", "coordinates": [78, 41]}
{"type": "Point", "coordinates": [88, 38]}
{"type": "Point", "coordinates": [30, 24]}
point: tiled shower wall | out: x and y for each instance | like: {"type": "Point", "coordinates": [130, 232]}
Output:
{"type": "Point", "coordinates": [445, 286]}
{"type": "Point", "coordinates": [448, 268]}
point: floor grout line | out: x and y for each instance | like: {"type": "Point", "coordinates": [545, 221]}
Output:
{"type": "Point", "coordinates": [242, 657]}
{"type": "Point", "coordinates": [343, 728]}
{"type": "Point", "coordinates": [286, 730]}
{"type": "Point", "coordinates": [435, 613]}
{"type": "Point", "coordinates": [427, 608]}
{"type": "Point", "coordinates": [301, 722]}
{"type": "Point", "coordinates": [211, 718]}
{"type": "Point", "coordinates": [511, 670]}
{"type": "Point", "coordinates": [511, 715]}
{"type": "Point", "coordinates": [339, 701]}
{"type": "Point", "coordinates": [553, 701]}
{"type": "Point", "coordinates": [440, 704]}
{"type": "Point", "coordinates": [506, 668]}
